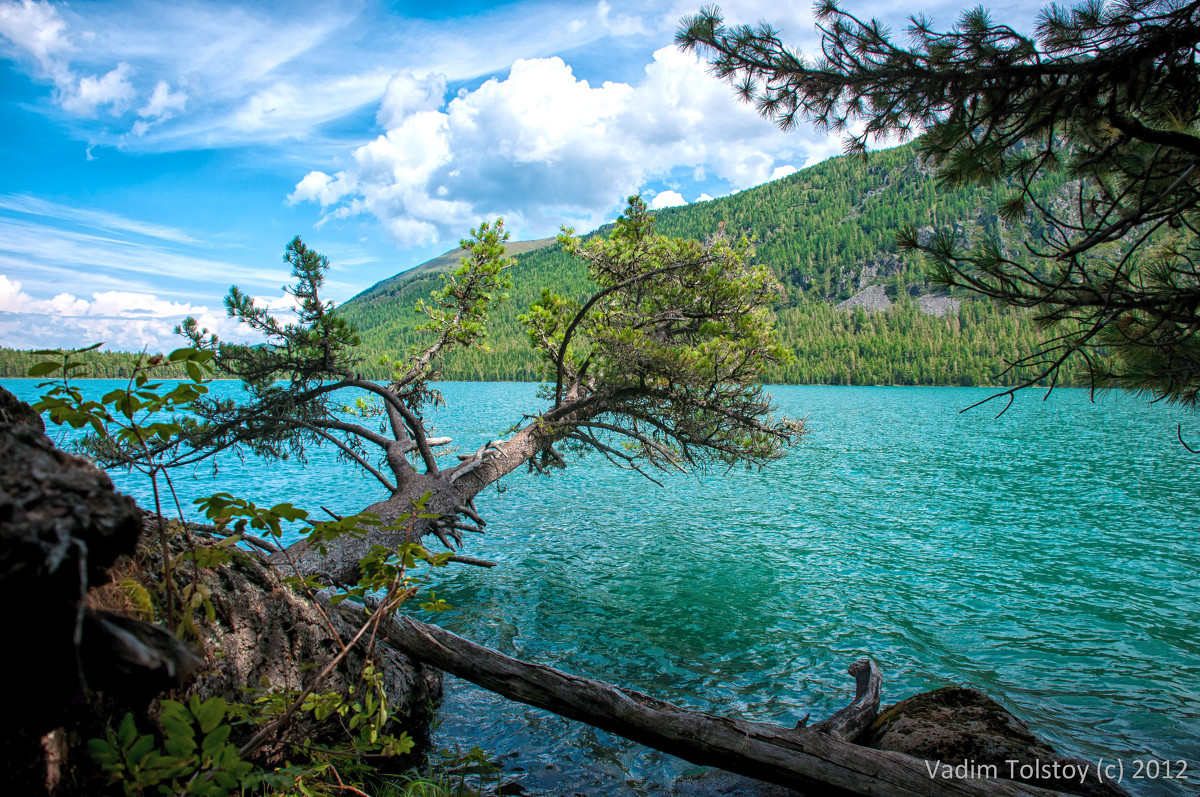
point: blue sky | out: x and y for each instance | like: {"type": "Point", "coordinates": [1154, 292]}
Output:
{"type": "Point", "coordinates": [156, 153]}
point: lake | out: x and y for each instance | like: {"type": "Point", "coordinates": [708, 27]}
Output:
{"type": "Point", "coordinates": [1049, 557]}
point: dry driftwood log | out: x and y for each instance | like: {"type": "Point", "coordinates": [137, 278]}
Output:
{"type": "Point", "coordinates": [850, 723]}
{"type": "Point", "coordinates": [796, 758]}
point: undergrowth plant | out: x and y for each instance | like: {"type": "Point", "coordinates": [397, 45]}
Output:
{"type": "Point", "coordinates": [192, 753]}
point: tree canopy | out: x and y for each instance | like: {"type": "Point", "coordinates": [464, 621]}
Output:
{"type": "Point", "coordinates": [659, 368]}
{"type": "Point", "coordinates": [1108, 93]}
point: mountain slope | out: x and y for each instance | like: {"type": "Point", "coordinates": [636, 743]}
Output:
{"type": "Point", "coordinates": [828, 232]}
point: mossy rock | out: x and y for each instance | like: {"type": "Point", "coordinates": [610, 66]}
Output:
{"type": "Point", "coordinates": [956, 725]}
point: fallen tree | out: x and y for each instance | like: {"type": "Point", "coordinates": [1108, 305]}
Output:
{"type": "Point", "coordinates": [659, 368]}
{"type": "Point", "coordinates": [818, 757]}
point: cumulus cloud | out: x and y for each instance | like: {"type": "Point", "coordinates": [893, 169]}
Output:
{"type": "Point", "coordinates": [14, 300]}
{"type": "Point", "coordinates": [318, 187]}
{"type": "Point", "coordinates": [541, 145]}
{"type": "Point", "coordinates": [124, 320]}
{"type": "Point", "coordinates": [667, 199]}
{"type": "Point", "coordinates": [126, 304]}
{"type": "Point", "coordinates": [89, 93]}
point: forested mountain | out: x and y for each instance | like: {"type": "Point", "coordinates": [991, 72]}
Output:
{"type": "Point", "coordinates": [854, 310]}
{"type": "Point", "coordinates": [828, 232]}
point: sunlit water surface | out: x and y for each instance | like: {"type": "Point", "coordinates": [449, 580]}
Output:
{"type": "Point", "coordinates": [1049, 557]}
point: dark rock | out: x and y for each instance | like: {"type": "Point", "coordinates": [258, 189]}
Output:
{"type": "Point", "coordinates": [15, 412]}
{"type": "Point", "coordinates": [956, 725]}
{"type": "Point", "coordinates": [64, 533]}
{"type": "Point", "coordinates": [61, 526]}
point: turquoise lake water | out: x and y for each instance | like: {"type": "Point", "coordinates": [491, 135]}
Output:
{"type": "Point", "coordinates": [1050, 557]}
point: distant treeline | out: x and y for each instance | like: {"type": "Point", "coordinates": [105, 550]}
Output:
{"type": "Point", "coordinates": [15, 363]}
{"type": "Point", "coordinates": [827, 232]}
{"type": "Point", "coordinates": [899, 346]}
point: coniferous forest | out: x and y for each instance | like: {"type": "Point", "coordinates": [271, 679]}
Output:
{"type": "Point", "coordinates": [828, 232]}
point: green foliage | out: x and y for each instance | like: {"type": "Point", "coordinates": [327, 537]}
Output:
{"type": "Point", "coordinates": [1107, 94]}
{"type": "Point", "coordinates": [193, 755]}
{"type": "Point", "coordinates": [824, 232]}
{"type": "Point", "coordinates": [459, 309]}
{"type": "Point", "coordinates": [669, 349]}
{"type": "Point", "coordinates": [318, 345]}
{"type": "Point", "coordinates": [122, 418]}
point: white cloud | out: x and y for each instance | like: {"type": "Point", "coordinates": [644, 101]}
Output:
{"type": "Point", "coordinates": [104, 303]}
{"type": "Point", "coordinates": [124, 320]}
{"type": "Point", "coordinates": [541, 145]}
{"type": "Point", "coordinates": [407, 94]}
{"type": "Point", "coordinates": [36, 28]}
{"type": "Point", "coordinates": [319, 187]}
{"type": "Point", "coordinates": [14, 300]}
{"type": "Point", "coordinates": [118, 333]}
{"type": "Point", "coordinates": [783, 171]}
{"type": "Point", "coordinates": [704, 198]}
{"type": "Point", "coordinates": [667, 199]}
{"type": "Point", "coordinates": [162, 105]}
{"type": "Point", "coordinates": [91, 92]}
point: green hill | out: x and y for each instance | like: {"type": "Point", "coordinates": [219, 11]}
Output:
{"type": "Point", "coordinates": [855, 311]}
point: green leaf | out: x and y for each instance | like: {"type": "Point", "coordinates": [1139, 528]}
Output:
{"type": "Point", "coordinates": [140, 748]}
{"type": "Point", "coordinates": [194, 371]}
{"type": "Point", "coordinates": [213, 741]}
{"type": "Point", "coordinates": [127, 733]}
{"type": "Point", "coordinates": [42, 369]}
{"type": "Point", "coordinates": [102, 751]}
{"type": "Point", "coordinates": [175, 718]}
{"type": "Point", "coordinates": [180, 747]}
{"type": "Point", "coordinates": [210, 713]}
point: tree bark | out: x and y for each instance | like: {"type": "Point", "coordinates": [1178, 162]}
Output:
{"type": "Point", "coordinates": [448, 493]}
{"type": "Point", "coordinates": [850, 723]}
{"type": "Point", "coordinates": [796, 758]}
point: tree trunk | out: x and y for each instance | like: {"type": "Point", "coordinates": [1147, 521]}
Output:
{"type": "Point", "coordinates": [450, 491]}
{"type": "Point", "coordinates": [796, 758]}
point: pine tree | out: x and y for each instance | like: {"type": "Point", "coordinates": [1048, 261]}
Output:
{"type": "Point", "coordinates": [1108, 93]}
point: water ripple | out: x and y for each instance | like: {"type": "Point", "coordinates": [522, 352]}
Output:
{"type": "Point", "coordinates": [1048, 557]}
